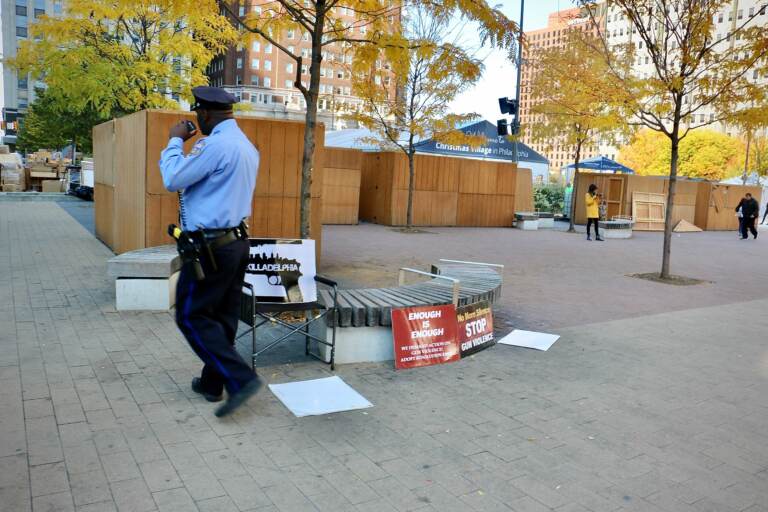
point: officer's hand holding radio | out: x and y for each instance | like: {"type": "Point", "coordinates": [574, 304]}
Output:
{"type": "Point", "coordinates": [183, 129]}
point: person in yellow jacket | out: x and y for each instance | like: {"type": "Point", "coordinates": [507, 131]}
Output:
{"type": "Point", "coordinates": [592, 203]}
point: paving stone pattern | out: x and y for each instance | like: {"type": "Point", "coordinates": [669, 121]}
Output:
{"type": "Point", "coordinates": [662, 412]}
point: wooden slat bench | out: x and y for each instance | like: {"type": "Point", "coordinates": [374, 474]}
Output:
{"type": "Point", "coordinates": [363, 320]}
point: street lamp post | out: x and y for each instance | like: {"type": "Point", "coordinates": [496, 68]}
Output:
{"type": "Point", "coordinates": [516, 125]}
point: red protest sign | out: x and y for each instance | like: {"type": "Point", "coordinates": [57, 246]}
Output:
{"type": "Point", "coordinates": [424, 336]}
{"type": "Point", "coordinates": [475, 327]}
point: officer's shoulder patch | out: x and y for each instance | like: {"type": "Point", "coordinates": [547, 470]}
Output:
{"type": "Point", "coordinates": [198, 147]}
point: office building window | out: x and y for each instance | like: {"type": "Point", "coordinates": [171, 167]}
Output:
{"type": "Point", "coordinates": [741, 14]}
{"type": "Point", "coordinates": [23, 83]}
{"type": "Point", "coordinates": [238, 80]}
{"type": "Point", "coordinates": [57, 8]}
{"type": "Point", "coordinates": [288, 84]}
{"type": "Point", "coordinates": [268, 65]}
{"type": "Point", "coordinates": [239, 63]}
{"type": "Point", "coordinates": [21, 10]}
{"type": "Point", "coordinates": [254, 63]}
{"type": "Point", "coordinates": [241, 11]}
{"type": "Point", "coordinates": [291, 34]}
{"type": "Point", "coordinates": [289, 68]}
{"type": "Point", "coordinates": [256, 46]}
{"type": "Point", "coordinates": [267, 82]}
{"type": "Point", "coordinates": [268, 48]}
{"type": "Point", "coordinates": [21, 31]}
{"type": "Point", "coordinates": [254, 79]}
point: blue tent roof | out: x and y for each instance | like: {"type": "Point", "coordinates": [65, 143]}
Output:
{"type": "Point", "coordinates": [601, 163]}
{"type": "Point", "coordinates": [496, 147]}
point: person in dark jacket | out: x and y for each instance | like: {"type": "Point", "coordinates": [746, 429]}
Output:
{"type": "Point", "coordinates": [750, 209]}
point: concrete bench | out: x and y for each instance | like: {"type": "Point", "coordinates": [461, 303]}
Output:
{"type": "Point", "coordinates": [616, 228]}
{"type": "Point", "coordinates": [527, 221]}
{"type": "Point", "coordinates": [363, 321]}
{"type": "Point", "coordinates": [145, 279]}
{"type": "Point", "coordinates": [546, 220]}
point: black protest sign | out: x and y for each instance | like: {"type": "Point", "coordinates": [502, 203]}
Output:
{"type": "Point", "coordinates": [475, 327]}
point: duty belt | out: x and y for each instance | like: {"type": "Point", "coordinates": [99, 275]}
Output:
{"type": "Point", "coordinates": [217, 238]}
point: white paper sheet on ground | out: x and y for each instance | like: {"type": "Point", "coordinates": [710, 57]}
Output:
{"type": "Point", "coordinates": [530, 339]}
{"type": "Point", "coordinates": [319, 396]}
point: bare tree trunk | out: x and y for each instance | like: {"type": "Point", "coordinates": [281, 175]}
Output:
{"type": "Point", "coordinates": [744, 176]}
{"type": "Point", "coordinates": [411, 184]}
{"type": "Point", "coordinates": [310, 124]}
{"type": "Point", "coordinates": [571, 228]}
{"type": "Point", "coordinates": [667, 250]}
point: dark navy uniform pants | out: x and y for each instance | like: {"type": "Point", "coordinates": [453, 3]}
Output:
{"type": "Point", "coordinates": [207, 313]}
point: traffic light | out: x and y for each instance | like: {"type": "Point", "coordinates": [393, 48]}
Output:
{"type": "Point", "coordinates": [501, 127]}
{"type": "Point", "coordinates": [508, 106]}
{"type": "Point", "coordinates": [505, 128]}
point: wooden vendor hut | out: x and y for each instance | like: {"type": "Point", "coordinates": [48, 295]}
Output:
{"type": "Point", "coordinates": [708, 205]}
{"type": "Point", "coordinates": [133, 208]}
{"type": "Point", "coordinates": [341, 185]}
{"type": "Point", "coordinates": [716, 205]}
{"type": "Point", "coordinates": [454, 185]}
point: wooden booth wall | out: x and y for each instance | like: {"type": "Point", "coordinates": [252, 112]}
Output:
{"type": "Point", "coordinates": [710, 206]}
{"type": "Point", "coordinates": [133, 208]}
{"type": "Point", "coordinates": [341, 185]}
{"type": "Point", "coordinates": [447, 191]}
{"type": "Point", "coordinates": [716, 205]}
{"type": "Point", "coordinates": [619, 189]}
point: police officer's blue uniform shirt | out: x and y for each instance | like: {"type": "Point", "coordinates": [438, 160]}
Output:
{"type": "Point", "coordinates": [217, 177]}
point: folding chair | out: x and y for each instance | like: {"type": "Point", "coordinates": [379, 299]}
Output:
{"type": "Point", "coordinates": [259, 307]}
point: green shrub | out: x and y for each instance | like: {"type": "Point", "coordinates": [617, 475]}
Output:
{"type": "Point", "coordinates": [549, 198]}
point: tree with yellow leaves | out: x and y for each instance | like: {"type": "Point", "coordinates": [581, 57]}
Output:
{"type": "Point", "coordinates": [703, 154]}
{"type": "Point", "coordinates": [690, 67]}
{"type": "Point", "coordinates": [403, 109]}
{"type": "Point", "coordinates": [361, 31]}
{"type": "Point", "coordinates": [122, 56]}
{"type": "Point", "coordinates": [567, 97]}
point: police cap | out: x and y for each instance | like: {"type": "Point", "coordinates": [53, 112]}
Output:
{"type": "Point", "coordinates": [212, 98]}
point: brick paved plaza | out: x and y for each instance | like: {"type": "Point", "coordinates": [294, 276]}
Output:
{"type": "Point", "coordinates": [654, 399]}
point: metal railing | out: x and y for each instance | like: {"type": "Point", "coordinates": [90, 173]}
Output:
{"type": "Point", "coordinates": [456, 282]}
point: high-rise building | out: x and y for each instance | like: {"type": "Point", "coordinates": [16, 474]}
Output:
{"type": "Point", "coordinates": [617, 29]}
{"type": "Point", "coordinates": [554, 35]}
{"type": "Point", "coordinates": [19, 91]}
{"type": "Point", "coordinates": [263, 76]}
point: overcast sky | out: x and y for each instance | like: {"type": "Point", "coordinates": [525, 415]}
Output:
{"type": "Point", "coordinates": [499, 77]}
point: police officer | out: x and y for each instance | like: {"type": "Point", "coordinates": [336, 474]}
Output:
{"type": "Point", "coordinates": [216, 182]}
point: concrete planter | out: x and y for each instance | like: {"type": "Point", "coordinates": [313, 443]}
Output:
{"type": "Point", "coordinates": [616, 228]}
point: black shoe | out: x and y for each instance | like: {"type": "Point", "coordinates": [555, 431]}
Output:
{"type": "Point", "coordinates": [755, 235]}
{"type": "Point", "coordinates": [598, 239]}
{"type": "Point", "coordinates": [589, 238]}
{"type": "Point", "coordinates": [239, 398]}
{"type": "Point", "coordinates": [197, 387]}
